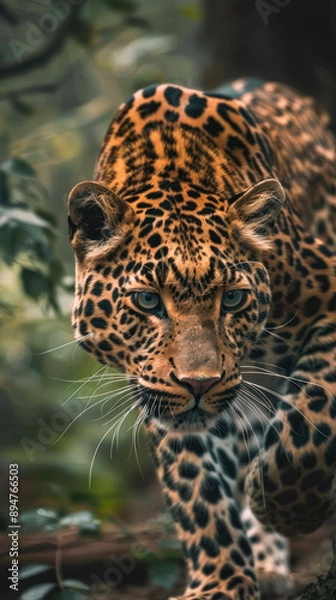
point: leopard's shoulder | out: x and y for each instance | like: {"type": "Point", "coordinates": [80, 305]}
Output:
{"type": "Point", "coordinates": [187, 132]}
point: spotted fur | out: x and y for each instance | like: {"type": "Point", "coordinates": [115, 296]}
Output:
{"type": "Point", "coordinates": [201, 199]}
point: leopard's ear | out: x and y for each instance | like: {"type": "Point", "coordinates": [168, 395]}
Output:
{"type": "Point", "coordinates": [258, 207]}
{"type": "Point", "coordinates": [95, 215]}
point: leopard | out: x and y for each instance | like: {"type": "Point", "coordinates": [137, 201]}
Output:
{"type": "Point", "coordinates": [205, 254]}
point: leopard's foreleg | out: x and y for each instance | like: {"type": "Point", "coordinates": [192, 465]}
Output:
{"type": "Point", "coordinates": [198, 473]}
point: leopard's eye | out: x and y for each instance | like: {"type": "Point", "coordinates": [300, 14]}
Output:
{"type": "Point", "coordinates": [147, 301]}
{"type": "Point", "coordinates": [233, 299]}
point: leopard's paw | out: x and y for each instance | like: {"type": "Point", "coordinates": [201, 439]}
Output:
{"type": "Point", "coordinates": [217, 595]}
{"type": "Point", "coordinates": [271, 556]}
{"type": "Point", "coordinates": [273, 585]}
{"type": "Point", "coordinates": [236, 588]}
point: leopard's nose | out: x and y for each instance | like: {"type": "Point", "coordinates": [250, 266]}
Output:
{"type": "Point", "coordinates": [199, 386]}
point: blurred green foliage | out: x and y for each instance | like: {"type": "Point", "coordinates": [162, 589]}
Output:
{"type": "Point", "coordinates": [65, 66]}
{"type": "Point", "coordinates": [27, 233]}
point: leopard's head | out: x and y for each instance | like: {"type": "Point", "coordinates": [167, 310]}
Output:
{"type": "Point", "coordinates": [171, 290]}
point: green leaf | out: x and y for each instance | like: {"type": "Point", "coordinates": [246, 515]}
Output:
{"type": "Point", "coordinates": [21, 216]}
{"type": "Point", "coordinates": [78, 518]}
{"type": "Point", "coordinates": [12, 242]}
{"type": "Point", "coordinates": [23, 231]}
{"type": "Point", "coordinates": [76, 585]}
{"type": "Point", "coordinates": [56, 270]}
{"type": "Point", "coordinates": [32, 570]}
{"type": "Point", "coordinates": [18, 166]}
{"type": "Point", "coordinates": [35, 283]}
{"type": "Point", "coordinates": [38, 592]}
{"type": "Point", "coordinates": [164, 574]}
{"type": "Point", "coordinates": [40, 247]}
{"type": "Point", "coordinates": [90, 528]}
{"type": "Point", "coordinates": [68, 284]}
{"type": "Point", "coordinates": [47, 216]}
{"type": "Point", "coordinates": [16, 239]}
{"type": "Point", "coordinates": [38, 519]}
{"type": "Point", "coordinates": [84, 520]}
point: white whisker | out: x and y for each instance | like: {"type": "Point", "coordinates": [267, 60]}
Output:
{"type": "Point", "coordinates": [286, 323]}
{"type": "Point", "coordinates": [125, 400]}
{"type": "Point", "coordinates": [64, 345]}
{"type": "Point", "coordinates": [81, 386]}
{"type": "Point", "coordinates": [295, 380]}
{"type": "Point", "coordinates": [286, 401]}
{"type": "Point", "coordinates": [129, 391]}
{"type": "Point", "coordinates": [259, 449]}
{"type": "Point", "coordinates": [122, 418]}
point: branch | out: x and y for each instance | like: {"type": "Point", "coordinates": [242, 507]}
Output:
{"type": "Point", "coordinates": [38, 89]}
{"type": "Point", "coordinates": [78, 551]}
{"type": "Point", "coordinates": [7, 15]}
{"type": "Point", "coordinates": [49, 50]}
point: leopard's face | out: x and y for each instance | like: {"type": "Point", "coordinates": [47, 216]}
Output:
{"type": "Point", "coordinates": [175, 300]}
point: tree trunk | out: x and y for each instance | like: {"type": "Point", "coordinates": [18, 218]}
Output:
{"type": "Point", "coordinates": [292, 41]}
